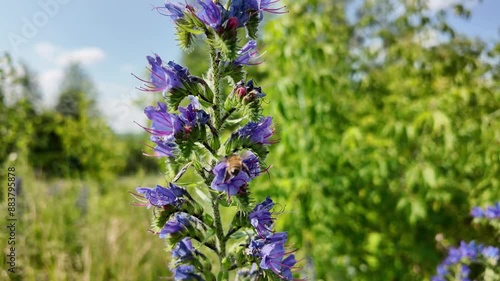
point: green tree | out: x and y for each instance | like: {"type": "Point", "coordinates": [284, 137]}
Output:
{"type": "Point", "coordinates": [74, 140]}
{"type": "Point", "coordinates": [77, 97]}
{"type": "Point", "coordinates": [389, 138]}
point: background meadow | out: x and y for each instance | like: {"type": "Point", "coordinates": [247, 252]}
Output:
{"type": "Point", "coordinates": [389, 127]}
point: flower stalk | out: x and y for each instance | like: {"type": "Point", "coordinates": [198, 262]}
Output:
{"type": "Point", "coordinates": [188, 126]}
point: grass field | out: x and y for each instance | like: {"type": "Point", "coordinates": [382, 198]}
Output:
{"type": "Point", "coordinates": [82, 230]}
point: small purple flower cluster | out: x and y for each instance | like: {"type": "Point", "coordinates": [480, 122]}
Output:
{"type": "Point", "coordinates": [462, 256]}
{"type": "Point", "coordinates": [267, 246]}
{"type": "Point", "coordinates": [258, 132]}
{"type": "Point", "coordinates": [216, 16]}
{"type": "Point", "coordinates": [489, 212]}
{"type": "Point", "coordinates": [167, 128]}
{"type": "Point", "coordinates": [248, 92]}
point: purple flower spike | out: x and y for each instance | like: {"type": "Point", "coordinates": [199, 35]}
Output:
{"type": "Point", "coordinates": [185, 272]}
{"type": "Point", "coordinates": [258, 132]}
{"type": "Point", "coordinates": [248, 54]}
{"type": "Point", "coordinates": [260, 217]}
{"type": "Point", "coordinates": [209, 13]}
{"type": "Point", "coordinates": [183, 250]}
{"type": "Point", "coordinates": [178, 223]}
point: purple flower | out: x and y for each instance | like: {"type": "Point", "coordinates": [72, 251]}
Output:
{"type": "Point", "coordinates": [174, 10]}
{"type": "Point", "coordinates": [183, 250]}
{"type": "Point", "coordinates": [189, 118]}
{"type": "Point", "coordinates": [248, 93]}
{"type": "Point", "coordinates": [248, 54]}
{"type": "Point", "coordinates": [260, 217]}
{"type": "Point", "coordinates": [165, 148]}
{"type": "Point", "coordinates": [162, 130]}
{"type": "Point", "coordinates": [178, 223]}
{"type": "Point", "coordinates": [442, 270]}
{"type": "Point", "coordinates": [162, 79]}
{"type": "Point", "coordinates": [490, 212]}
{"type": "Point", "coordinates": [201, 115]}
{"type": "Point", "coordinates": [258, 132]}
{"type": "Point", "coordinates": [185, 272]}
{"type": "Point", "coordinates": [161, 196]}
{"type": "Point", "coordinates": [240, 10]}
{"type": "Point", "coordinates": [181, 72]}
{"type": "Point", "coordinates": [209, 13]}
{"type": "Point", "coordinates": [163, 123]}
{"type": "Point", "coordinates": [470, 250]}
{"type": "Point", "coordinates": [464, 272]}
{"type": "Point", "coordinates": [286, 267]}
{"type": "Point", "coordinates": [477, 212]}
{"type": "Point", "coordinates": [493, 212]}
{"type": "Point", "coordinates": [266, 6]}
{"type": "Point", "coordinates": [272, 254]}
{"type": "Point", "coordinates": [490, 252]}
{"type": "Point", "coordinates": [235, 184]}
{"type": "Point", "coordinates": [465, 253]}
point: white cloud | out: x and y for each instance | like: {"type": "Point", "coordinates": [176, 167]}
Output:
{"type": "Point", "coordinates": [443, 4]}
{"type": "Point", "coordinates": [57, 58]}
{"type": "Point", "coordinates": [46, 50]}
{"type": "Point", "coordinates": [57, 55]}
{"type": "Point", "coordinates": [85, 56]}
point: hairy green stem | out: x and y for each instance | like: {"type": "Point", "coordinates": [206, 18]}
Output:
{"type": "Point", "coordinates": [218, 227]}
{"type": "Point", "coordinates": [217, 106]}
{"type": "Point", "coordinates": [214, 60]}
{"type": "Point", "coordinates": [228, 113]}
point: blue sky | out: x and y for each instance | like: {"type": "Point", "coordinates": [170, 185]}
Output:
{"type": "Point", "coordinates": [111, 39]}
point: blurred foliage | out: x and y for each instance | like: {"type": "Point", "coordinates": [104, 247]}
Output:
{"type": "Point", "coordinates": [69, 230]}
{"type": "Point", "coordinates": [71, 140]}
{"type": "Point", "coordinates": [389, 127]}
